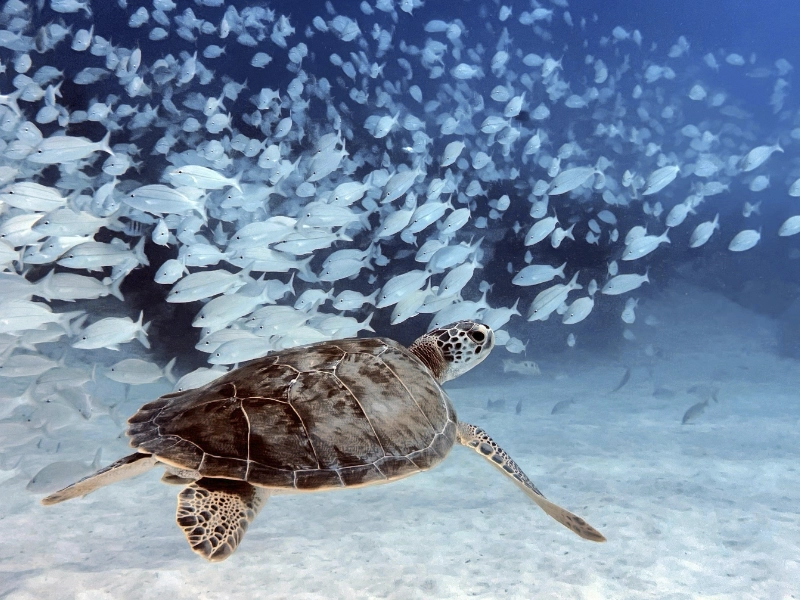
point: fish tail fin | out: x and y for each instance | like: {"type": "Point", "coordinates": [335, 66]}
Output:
{"type": "Point", "coordinates": [43, 285]}
{"type": "Point", "coordinates": [168, 371]}
{"type": "Point", "coordinates": [72, 328]}
{"type": "Point", "coordinates": [341, 235]}
{"type": "Point", "coordinates": [141, 334]}
{"type": "Point", "coordinates": [97, 456]}
{"type": "Point", "coordinates": [237, 180]}
{"type": "Point", "coordinates": [138, 252]}
{"type": "Point", "coordinates": [304, 272]}
{"type": "Point", "coordinates": [113, 287]}
{"type": "Point", "coordinates": [290, 286]}
{"type": "Point", "coordinates": [365, 324]}
{"type": "Point", "coordinates": [244, 273]}
{"type": "Point", "coordinates": [363, 219]}
{"type": "Point", "coordinates": [142, 337]}
{"type": "Point", "coordinates": [482, 303]}
{"type": "Point", "coordinates": [104, 143]}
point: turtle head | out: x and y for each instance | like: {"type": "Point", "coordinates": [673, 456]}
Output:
{"type": "Point", "coordinates": [453, 349]}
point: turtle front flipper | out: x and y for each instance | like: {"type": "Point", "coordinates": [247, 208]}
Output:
{"type": "Point", "coordinates": [477, 439]}
{"type": "Point", "coordinates": [215, 513]}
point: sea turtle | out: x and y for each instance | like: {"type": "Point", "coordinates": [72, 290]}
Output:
{"type": "Point", "coordinates": [330, 415]}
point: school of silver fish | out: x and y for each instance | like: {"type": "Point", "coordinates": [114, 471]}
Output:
{"type": "Point", "coordinates": [347, 173]}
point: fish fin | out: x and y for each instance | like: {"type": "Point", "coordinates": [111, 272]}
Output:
{"type": "Point", "coordinates": [104, 144]}
{"type": "Point", "coordinates": [97, 456]}
{"type": "Point", "coordinates": [625, 378]}
{"type": "Point", "coordinates": [237, 180]}
{"type": "Point", "coordinates": [168, 371]}
{"type": "Point", "coordinates": [304, 272]}
{"type": "Point", "coordinates": [73, 328]}
{"type": "Point", "coordinates": [290, 286]}
{"type": "Point", "coordinates": [141, 335]}
{"type": "Point", "coordinates": [113, 287]}
{"type": "Point", "coordinates": [365, 324]}
{"type": "Point", "coordinates": [477, 439]}
{"type": "Point", "coordinates": [138, 252]}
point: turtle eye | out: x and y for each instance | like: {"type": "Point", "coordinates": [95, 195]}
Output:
{"type": "Point", "coordinates": [478, 336]}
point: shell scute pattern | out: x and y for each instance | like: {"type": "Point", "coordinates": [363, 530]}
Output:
{"type": "Point", "coordinates": [280, 421]}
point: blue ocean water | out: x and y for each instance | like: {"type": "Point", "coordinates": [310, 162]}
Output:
{"type": "Point", "coordinates": [710, 350]}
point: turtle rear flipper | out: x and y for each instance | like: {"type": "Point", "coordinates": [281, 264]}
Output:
{"type": "Point", "coordinates": [124, 468]}
{"type": "Point", "coordinates": [477, 439]}
{"type": "Point", "coordinates": [215, 513]}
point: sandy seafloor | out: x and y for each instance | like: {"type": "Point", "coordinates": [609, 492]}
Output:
{"type": "Point", "coordinates": [710, 509]}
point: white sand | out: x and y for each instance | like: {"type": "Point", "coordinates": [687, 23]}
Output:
{"type": "Point", "coordinates": [703, 510]}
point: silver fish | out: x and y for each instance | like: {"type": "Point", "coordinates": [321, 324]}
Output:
{"type": "Point", "coordinates": [65, 148]}
{"type": "Point", "coordinates": [622, 284]}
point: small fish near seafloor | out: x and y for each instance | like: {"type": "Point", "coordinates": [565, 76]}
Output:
{"type": "Point", "coordinates": [524, 367]}
{"type": "Point", "coordinates": [699, 408]}
{"type": "Point", "coordinates": [562, 406]}
{"type": "Point", "coordinates": [496, 405]}
{"type": "Point", "coordinates": [59, 474]}
{"type": "Point", "coordinates": [625, 379]}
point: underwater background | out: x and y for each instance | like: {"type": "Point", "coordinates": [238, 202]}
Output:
{"type": "Point", "coordinates": [381, 168]}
